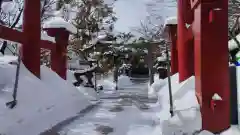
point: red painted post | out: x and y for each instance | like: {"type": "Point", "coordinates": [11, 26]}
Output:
{"type": "Point", "coordinates": [59, 53]}
{"type": "Point", "coordinates": [172, 29]}
{"type": "Point", "coordinates": [185, 47]}
{"type": "Point", "coordinates": [32, 35]}
{"type": "Point", "coordinates": [211, 66]}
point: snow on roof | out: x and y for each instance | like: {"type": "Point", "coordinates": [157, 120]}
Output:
{"type": "Point", "coordinates": [59, 22]}
{"type": "Point", "coordinates": [232, 44]}
{"type": "Point", "coordinates": [170, 20]}
{"type": "Point", "coordinates": [44, 36]}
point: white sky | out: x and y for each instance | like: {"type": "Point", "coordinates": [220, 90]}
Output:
{"type": "Point", "coordinates": [130, 12]}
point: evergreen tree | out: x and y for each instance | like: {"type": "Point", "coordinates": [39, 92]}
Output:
{"type": "Point", "coordinates": [93, 18]}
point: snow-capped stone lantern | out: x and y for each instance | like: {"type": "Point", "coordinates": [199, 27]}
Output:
{"type": "Point", "coordinates": [171, 32]}
{"type": "Point", "coordinates": [60, 29]}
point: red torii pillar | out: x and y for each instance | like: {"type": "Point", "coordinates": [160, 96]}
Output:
{"type": "Point", "coordinates": [32, 36]}
{"type": "Point", "coordinates": [31, 41]}
{"type": "Point", "coordinates": [211, 66]}
{"type": "Point", "coordinates": [184, 41]}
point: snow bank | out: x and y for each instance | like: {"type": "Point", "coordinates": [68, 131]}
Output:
{"type": "Point", "coordinates": [59, 22]}
{"type": "Point", "coordinates": [90, 93]}
{"type": "Point", "coordinates": [156, 86]}
{"type": "Point", "coordinates": [7, 59]}
{"type": "Point", "coordinates": [41, 103]}
{"type": "Point", "coordinates": [187, 117]}
{"type": "Point", "coordinates": [163, 92]}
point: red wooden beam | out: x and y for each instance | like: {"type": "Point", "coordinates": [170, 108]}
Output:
{"type": "Point", "coordinates": [11, 34]}
{"type": "Point", "coordinates": [184, 43]}
{"type": "Point", "coordinates": [18, 36]}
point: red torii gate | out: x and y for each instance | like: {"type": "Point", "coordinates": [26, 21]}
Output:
{"type": "Point", "coordinates": [209, 29]}
{"type": "Point", "coordinates": [31, 41]}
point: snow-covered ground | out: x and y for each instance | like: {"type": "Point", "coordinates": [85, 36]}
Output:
{"type": "Point", "coordinates": [156, 120]}
{"type": "Point", "coordinates": [46, 102]}
{"type": "Point", "coordinates": [41, 103]}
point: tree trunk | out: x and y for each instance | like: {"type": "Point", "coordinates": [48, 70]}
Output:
{"type": "Point", "coordinates": [150, 64]}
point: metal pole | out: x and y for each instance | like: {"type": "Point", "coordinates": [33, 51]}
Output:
{"type": "Point", "coordinates": [169, 80]}
{"type": "Point", "coordinates": [95, 79]}
{"type": "Point", "coordinates": [13, 103]}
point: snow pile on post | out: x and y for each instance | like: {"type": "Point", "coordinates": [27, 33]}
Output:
{"type": "Point", "coordinates": [59, 22]}
{"type": "Point", "coordinates": [41, 103]}
{"type": "Point", "coordinates": [171, 21]}
{"type": "Point", "coordinates": [232, 43]}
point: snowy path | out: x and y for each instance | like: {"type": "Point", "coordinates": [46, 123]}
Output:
{"type": "Point", "coordinates": [127, 114]}
{"type": "Point", "coordinates": [113, 119]}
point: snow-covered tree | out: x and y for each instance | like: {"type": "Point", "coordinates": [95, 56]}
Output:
{"type": "Point", "coordinates": [94, 19]}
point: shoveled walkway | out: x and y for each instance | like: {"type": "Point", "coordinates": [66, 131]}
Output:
{"type": "Point", "coordinates": [125, 112]}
